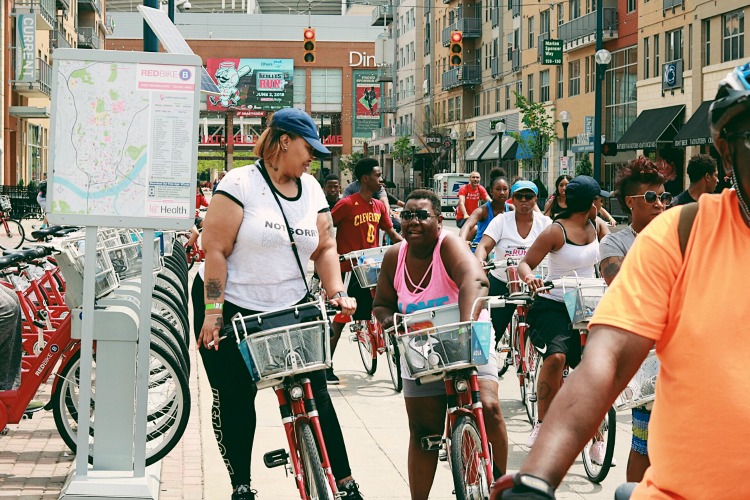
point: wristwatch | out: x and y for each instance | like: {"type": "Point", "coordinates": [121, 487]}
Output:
{"type": "Point", "coordinates": [338, 295]}
{"type": "Point", "coordinates": [535, 484]}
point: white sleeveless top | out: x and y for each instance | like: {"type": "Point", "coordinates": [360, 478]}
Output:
{"type": "Point", "coordinates": [572, 258]}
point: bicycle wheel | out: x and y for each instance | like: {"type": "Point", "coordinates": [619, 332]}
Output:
{"type": "Point", "coordinates": [367, 350]}
{"type": "Point", "coordinates": [467, 464]}
{"type": "Point", "coordinates": [12, 235]}
{"type": "Point", "coordinates": [533, 366]}
{"type": "Point", "coordinates": [316, 482]}
{"type": "Point", "coordinates": [168, 404]}
{"type": "Point", "coordinates": [598, 452]}
{"type": "Point", "coordinates": [31, 222]}
{"type": "Point", "coordinates": [504, 354]}
{"type": "Point", "coordinates": [394, 361]}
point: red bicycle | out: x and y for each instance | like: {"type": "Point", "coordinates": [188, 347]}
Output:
{"type": "Point", "coordinates": [11, 231]}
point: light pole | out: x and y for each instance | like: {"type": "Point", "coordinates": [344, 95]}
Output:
{"type": "Point", "coordinates": [499, 131]}
{"type": "Point", "coordinates": [413, 152]}
{"type": "Point", "coordinates": [454, 138]}
{"type": "Point", "coordinates": [602, 58]}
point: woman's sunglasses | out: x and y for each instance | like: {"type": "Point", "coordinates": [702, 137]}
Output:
{"type": "Point", "coordinates": [523, 196]}
{"type": "Point", "coordinates": [651, 197]}
{"type": "Point", "coordinates": [421, 215]}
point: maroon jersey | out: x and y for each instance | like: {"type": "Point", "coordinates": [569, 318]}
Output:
{"type": "Point", "coordinates": [357, 222]}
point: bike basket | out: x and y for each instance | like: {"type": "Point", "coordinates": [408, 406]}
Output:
{"type": "Point", "coordinates": [642, 388]}
{"type": "Point", "coordinates": [124, 248]}
{"type": "Point", "coordinates": [366, 265]}
{"type": "Point", "coordinates": [166, 242]}
{"type": "Point", "coordinates": [581, 300]}
{"type": "Point", "coordinates": [71, 262]}
{"type": "Point", "coordinates": [5, 203]}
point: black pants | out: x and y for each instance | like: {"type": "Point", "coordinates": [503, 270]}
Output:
{"type": "Point", "coordinates": [233, 412]}
{"type": "Point", "coordinates": [501, 316]}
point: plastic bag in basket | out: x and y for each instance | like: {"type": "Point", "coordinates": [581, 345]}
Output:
{"type": "Point", "coordinates": [481, 342]}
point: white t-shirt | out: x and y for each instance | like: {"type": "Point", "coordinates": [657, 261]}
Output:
{"type": "Point", "coordinates": [508, 243]}
{"type": "Point", "coordinates": [262, 272]}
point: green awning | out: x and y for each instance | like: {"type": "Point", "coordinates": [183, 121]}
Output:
{"type": "Point", "coordinates": [696, 131]}
{"type": "Point", "coordinates": [480, 145]}
{"type": "Point", "coordinates": [652, 127]}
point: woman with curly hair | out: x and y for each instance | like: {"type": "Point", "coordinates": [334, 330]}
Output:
{"type": "Point", "coordinates": [640, 189]}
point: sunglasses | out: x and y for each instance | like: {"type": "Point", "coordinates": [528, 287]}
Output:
{"type": "Point", "coordinates": [421, 215]}
{"type": "Point", "coordinates": [651, 197]}
{"type": "Point", "coordinates": [523, 196]}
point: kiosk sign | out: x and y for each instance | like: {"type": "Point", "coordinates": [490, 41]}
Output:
{"type": "Point", "coordinates": [552, 51]}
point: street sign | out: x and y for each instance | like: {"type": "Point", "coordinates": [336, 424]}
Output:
{"type": "Point", "coordinates": [552, 51]}
{"type": "Point", "coordinates": [433, 138]}
{"type": "Point", "coordinates": [447, 143]}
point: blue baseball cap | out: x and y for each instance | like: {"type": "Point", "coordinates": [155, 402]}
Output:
{"type": "Point", "coordinates": [298, 122]}
{"type": "Point", "coordinates": [521, 185]}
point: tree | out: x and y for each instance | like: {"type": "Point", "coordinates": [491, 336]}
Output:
{"type": "Point", "coordinates": [401, 154]}
{"type": "Point", "coordinates": [584, 166]}
{"type": "Point", "coordinates": [534, 146]}
{"type": "Point", "coordinates": [347, 162]}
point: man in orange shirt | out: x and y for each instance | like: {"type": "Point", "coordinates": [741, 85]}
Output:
{"type": "Point", "coordinates": [690, 304]}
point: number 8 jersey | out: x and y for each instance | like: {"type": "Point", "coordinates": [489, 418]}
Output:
{"type": "Point", "coordinates": [357, 222]}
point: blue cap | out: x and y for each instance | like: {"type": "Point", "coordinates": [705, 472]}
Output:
{"type": "Point", "coordinates": [520, 185]}
{"type": "Point", "coordinates": [298, 122]}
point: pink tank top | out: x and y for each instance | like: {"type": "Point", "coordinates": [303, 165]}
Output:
{"type": "Point", "coordinates": [439, 291]}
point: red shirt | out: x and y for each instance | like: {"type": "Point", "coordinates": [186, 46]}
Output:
{"type": "Point", "coordinates": [472, 198]}
{"type": "Point", "coordinates": [357, 223]}
{"type": "Point", "coordinates": [200, 201]}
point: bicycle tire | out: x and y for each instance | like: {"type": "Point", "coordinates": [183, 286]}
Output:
{"type": "Point", "coordinates": [13, 237]}
{"type": "Point", "coordinates": [467, 465]}
{"type": "Point", "coordinates": [313, 475]}
{"type": "Point", "coordinates": [367, 351]}
{"type": "Point", "coordinates": [533, 366]}
{"type": "Point", "coordinates": [394, 361]}
{"type": "Point", "coordinates": [168, 271]}
{"type": "Point", "coordinates": [31, 222]}
{"type": "Point", "coordinates": [182, 273]}
{"type": "Point", "coordinates": [165, 420]}
{"type": "Point", "coordinates": [504, 354]}
{"type": "Point", "coordinates": [173, 287]}
{"type": "Point", "coordinates": [166, 300]}
{"type": "Point", "coordinates": [167, 311]}
{"type": "Point", "coordinates": [607, 429]}
{"type": "Point", "coordinates": [170, 343]}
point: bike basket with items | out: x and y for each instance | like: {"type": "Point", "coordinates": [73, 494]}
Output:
{"type": "Point", "coordinates": [582, 298]}
{"type": "Point", "coordinates": [366, 265]}
{"type": "Point", "coordinates": [71, 262]}
{"type": "Point", "coordinates": [642, 388]}
{"type": "Point", "coordinates": [282, 343]}
{"type": "Point", "coordinates": [5, 205]}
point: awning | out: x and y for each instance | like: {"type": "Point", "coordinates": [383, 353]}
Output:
{"type": "Point", "coordinates": [652, 126]}
{"type": "Point", "coordinates": [28, 112]}
{"type": "Point", "coordinates": [696, 131]}
{"type": "Point", "coordinates": [479, 146]}
{"type": "Point", "coordinates": [504, 149]}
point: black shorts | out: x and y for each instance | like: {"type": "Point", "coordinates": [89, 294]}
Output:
{"type": "Point", "coordinates": [364, 301]}
{"type": "Point", "coordinates": [460, 223]}
{"type": "Point", "coordinates": [501, 316]}
{"type": "Point", "coordinates": [551, 331]}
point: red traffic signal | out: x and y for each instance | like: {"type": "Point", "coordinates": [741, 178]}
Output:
{"type": "Point", "coordinates": [609, 148]}
{"type": "Point", "coordinates": [456, 48]}
{"type": "Point", "coordinates": [457, 37]}
{"type": "Point", "coordinates": [309, 34]}
{"type": "Point", "coordinates": [308, 37]}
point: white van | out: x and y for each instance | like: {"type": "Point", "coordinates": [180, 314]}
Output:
{"type": "Point", "coordinates": [446, 186]}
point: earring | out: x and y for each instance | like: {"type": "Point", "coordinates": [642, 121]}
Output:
{"type": "Point", "coordinates": [285, 148]}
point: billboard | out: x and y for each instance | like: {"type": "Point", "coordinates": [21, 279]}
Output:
{"type": "Point", "coordinates": [25, 48]}
{"type": "Point", "coordinates": [251, 87]}
{"type": "Point", "coordinates": [366, 94]}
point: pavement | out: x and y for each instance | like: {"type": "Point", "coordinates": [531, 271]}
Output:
{"type": "Point", "coordinates": [34, 461]}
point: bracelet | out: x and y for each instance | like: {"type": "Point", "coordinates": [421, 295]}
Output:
{"type": "Point", "coordinates": [215, 305]}
{"type": "Point", "coordinates": [338, 295]}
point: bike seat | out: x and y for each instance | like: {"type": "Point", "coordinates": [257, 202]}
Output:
{"type": "Point", "coordinates": [9, 260]}
{"type": "Point", "coordinates": [65, 230]}
{"type": "Point", "coordinates": [41, 234]}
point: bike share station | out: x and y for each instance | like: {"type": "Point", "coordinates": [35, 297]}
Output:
{"type": "Point", "coordinates": [124, 155]}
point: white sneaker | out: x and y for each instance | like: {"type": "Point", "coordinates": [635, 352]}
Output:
{"type": "Point", "coordinates": [597, 452]}
{"type": "Point", "coordinates": [534, 433]}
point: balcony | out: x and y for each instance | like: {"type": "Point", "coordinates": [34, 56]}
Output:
{"type": "Point", "coordinates": [540, 43]}
{"type": "Point", "coordinates": [581, 32]}
{"type": "Point", "coordinates": [90, 5]}
{"type": "Point", "coordinates": [57, 39]}
{"type": "Point", "coordinates": [381, 15]}
{"type": "Point", "coordinates": [671, 4]}
{"type": "Point", "coordinates": [495, 15]}
{"type": "Point", "coordinates": [468, 74]}
{"type": "Point", "coordinates": [403, 129]}
{"type": "Point", "coordinates": [388, 104]}
{"type": "Point", "coordinates": [88, 38]}
{"type": "Point", "coordinates": [45, 12]}
{"type": "Point", "coordinates": [63, 4]}
{"type": "Point", "coordinates": [385, 73]}
{"type": "Point", "coordinates": [405, 94]}
{"type": "Point", "coordinates": [33, 82]}
{"type": "Point", "coordinates": [497, 67]}
{"type": "Point", "coordinates": [471, 27]}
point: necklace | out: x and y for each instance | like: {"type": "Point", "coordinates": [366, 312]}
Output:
{"type": "Point", "coordinates": [635, 233]}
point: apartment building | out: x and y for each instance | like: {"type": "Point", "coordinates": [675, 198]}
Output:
{"type": "Point", "coordinates": [33, 30]}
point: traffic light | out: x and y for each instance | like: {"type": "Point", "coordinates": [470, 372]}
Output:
{"type": "Point", "coordinates": [457, 48]}
{"type": "Point", "coordinates": [309, 45]}
{"type": "Point", "coordinates": [609, 148]}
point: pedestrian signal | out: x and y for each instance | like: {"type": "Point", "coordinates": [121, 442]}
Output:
{"type": "Point", "coordinates": [308, 37]}
{"type": "Point", "coordinates": [609, 148]}
{"type": "Point", "coordinates": [456, 48]}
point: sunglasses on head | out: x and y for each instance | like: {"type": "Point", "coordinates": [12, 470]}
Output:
{"type": "Point", "coordinates": [524, 196]}
{"type": "Point", "coordinates": [651, 197]}
{"type": "Point", "coordinates": [416, 214]}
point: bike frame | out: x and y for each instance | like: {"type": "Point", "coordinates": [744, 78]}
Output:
{"type": "Point", "coordinates": [302, 410]}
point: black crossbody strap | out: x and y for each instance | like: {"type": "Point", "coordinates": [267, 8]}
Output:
{"type": "Point", "coordinates": [289, 230]}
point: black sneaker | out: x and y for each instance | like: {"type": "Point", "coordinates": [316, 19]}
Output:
{"type": "Point", "coordinates": [331, 377]}
{"type": "Point", "coordinates": [350, 490]}
{"type": "Point", "coordinates": [243, 492]}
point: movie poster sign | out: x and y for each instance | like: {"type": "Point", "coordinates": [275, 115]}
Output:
{"type": "Point", "coordinates": [366, 103]}
{"type": "Point", "coordinates": [251, 87]}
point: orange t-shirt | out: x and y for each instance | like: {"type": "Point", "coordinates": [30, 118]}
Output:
{"type": "Point", "coordinates": [698, 314]}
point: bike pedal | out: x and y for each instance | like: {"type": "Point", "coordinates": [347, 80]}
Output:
{"type": "Point", "coordinates": [443, 455]}
{"type": "Point", "coordinates": [432, 443]}
{"type": "Point", "coordinates": [276, 458]}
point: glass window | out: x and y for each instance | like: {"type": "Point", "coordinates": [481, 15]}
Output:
{"type": "Point", "coordinates": [458, 107]}
{"type": "Point", "coordinates": [646, 58]}
{"type": "Point", "coordinates": [620, 102]}
{"type": "Point", "coordinates": [631, 5]}
{"type": "Point", "coordinates": [707, 42]}
{"type": "Point", "coordinates": [531, 32]}
{"type": "Point", "coordinates": [674, 45]}
{"type": "Point", "coordinates": [559, 82]}
{"type": "Point", "coordinates": [657, 67]}
{"type": "Point", "coordinates": [325, 85]}
{"type": "Point", "coordinates": [690, 47]}
{"type": "Point", "coordinates": [589, 84]}
{"type": "Point", "coordinates": [574, 75]}
{"type": "Point", "coordinates": [497, 100]}
{"type": "Point", "coordinates": [476, 104]}
{"type": "Point", "coordinates": [734, 35]}
{"type": "Point", "coordinates": [560, 13]}
{"type": "Point", "coordinates": [575, 9]}
{"type": "Point", "coordinates": [544, 86]}
{"type": "Point", "coordinates": [544, 22]}
{"type": "Point", "coordinates": [531, 87]}
{"type": "Point", "coordinates": [450, 110]}
{"type": "Point", "coordinates": [507, 97]}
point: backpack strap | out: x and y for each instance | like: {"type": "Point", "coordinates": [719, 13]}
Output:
{"type": "Point", "coordinates": [685, 224]}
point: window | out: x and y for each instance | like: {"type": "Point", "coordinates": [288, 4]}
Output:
{"type": "Point", "coordinates": [450, 110]}
{"type": "Point", "coordinates": [531, 32]}
{"type": "Point", "coordinates": [620, 94]}
{"type": "Point", "coordinates": [497, 100]}
{"type": "Point", "coordinates": [690, 47]}
{"type": "Point", "coordinates": [560, 13]}
{"type": "Point", "coordinates": [646, 58]}
{"type": "Point", "coordinates": [559, 83]}
{"type": "Point", "coordinates": [707, 42]}
{"type": "Point", "coordinates": [574, 76]}
{"type": "Point", "coordinates": [575, 9]}
{"type": "Point", "coordinates": [519, 87]}
{"type": "Point", "coordinates": [458, 108]}
{"type": "Point", "coordinates": [734, 35]}
{"type": "Point", "coordinates": [476, 104]}
{"type": "Point", "coordinates": [510, 46]}
{"type": "Point", "coordinates": [589, 85]}
{"type": "Point", "coordinates": [657, 68]}
{"type": "Point", "coordinates": [510, 4]}
{"type": "Point", "coordinates": [544, 86]}
{"type": "Point", "coordinates": [507, 97]}
{"type": "Point", "coordinates": [674, 45]}
{"type": "Point", "coordinates": [544, 22]}
{"type": "Point", "coordinates": [530, 87]}
{"type": "Point", "coordinates": [325, 87]}
{"type": "Point", "coordinates": [631, 5]}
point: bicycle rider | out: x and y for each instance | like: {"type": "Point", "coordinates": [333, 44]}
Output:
{"type": "Point", "coordinates": [655, 299]}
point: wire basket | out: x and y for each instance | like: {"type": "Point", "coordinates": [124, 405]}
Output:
{"type": "Point", "coordinates": [124, 248]}
{"type": "Point", "coordinates": [582, 300]}
{"type": "Point", "coordinates": [5, 205]}
{"type": "Point", "coordinates": [642, 388]}
{"type": "Point", "coordinates": [366, 265]}
{"type": "Point", "coordinates": [72, 263]}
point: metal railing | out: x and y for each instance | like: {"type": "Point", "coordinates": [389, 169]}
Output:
{"type": "Point", "coordinates": [63, 4]}
{"type": "Point", "coordinates": [90, 5]}
{"type": "Point", "coordinates": [403, 129]}
{"type": "Point", "coordinates": [381, 14]}
{"type": "Point", "coordinates": [467, 74]}
{"type": "Point", "coordinates": [385, 73]}
{"type": "Point", "coordinates": [88, 38]}
{"type": "Point", "coordinates": [42, 82]}
{"type": "Point", "coordinates": [471, 27]}
{"type": "Point", "coordinates": [388, 104]}
{"type": "Point", "coordinates": [57, 39]}
{"type": "Point", "coordinates": [497, 67]}
{"type": "Point", "coordinates": [586, 25]}
{"type": "Point", "coordinates": [47, 9]}
{"type": "Point", "coordinates": [405, 94]}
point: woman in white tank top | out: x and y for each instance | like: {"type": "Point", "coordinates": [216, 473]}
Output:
{"type": "Point", "coordinates": [572, 243]}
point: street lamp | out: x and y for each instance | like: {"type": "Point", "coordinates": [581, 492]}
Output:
{"type": "Point", "coordinates": [565, 121]}
{"type": "Point", "coordinates": [499, 130]}
{"type": "Point", "coordinates": [602, 57]}
{"type": "Point", "coordinates": [454, 137]}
